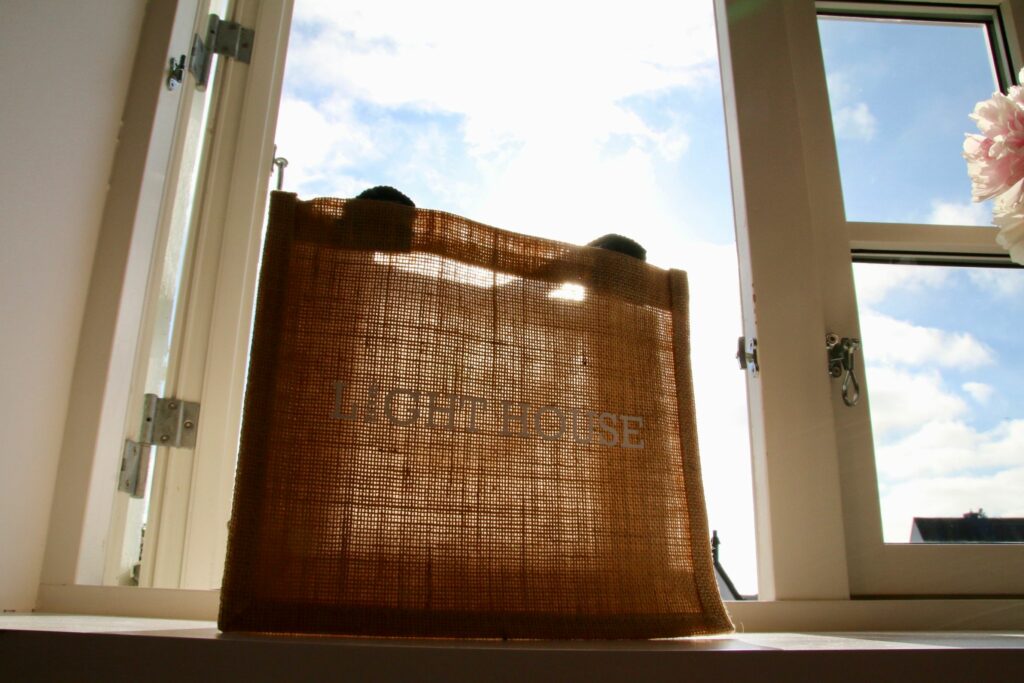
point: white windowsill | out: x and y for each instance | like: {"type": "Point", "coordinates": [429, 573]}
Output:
{"type": "Point", "coordinates": [968, 614]}
{"type": "Point", "coordinates": [53, 646]}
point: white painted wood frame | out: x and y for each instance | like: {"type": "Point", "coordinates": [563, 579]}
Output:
{"type": "Point", "coordinates": [105, 398]}
{"type": "Point", "coordinates": [818, 513]}
{"type": "Point", "coordinates": [819, 530]}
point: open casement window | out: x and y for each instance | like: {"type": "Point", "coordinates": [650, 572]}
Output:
{"type": "Point", "coordinates": [169, 310]}
{"type": "Point", "coordinates": [204, 309]}
{"type": "Point", "coordinates": [820, 513]}
{"type": "Point", "coordinates": [190, 497]}
{"type": "Point", "coordinates": [151, 469]}
{"type": "Point", "coordinates": [190, 494]}
{"type": "Point", "coordinates": [819, 519]}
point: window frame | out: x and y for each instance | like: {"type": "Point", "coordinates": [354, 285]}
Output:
{"type": "Point", "coordinates": [187, 551]}
{"type": "Point", "coordinates": [800, 252]}
{"type": "Point", "coordinates": [788, 229]}
{"type": "Point", "coordinates": [118, 317]}
{"type": "Point", "coordinates": [86, 542]}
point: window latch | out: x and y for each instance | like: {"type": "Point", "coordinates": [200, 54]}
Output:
{"type": "Point", "coordinates": [841, 352]}
{"type": "Point", "coordinates": [746, 354]}
{"type": "Point", "coordinates": [176, 73]}
{"type": "Point", "coordinates": [279, 164]}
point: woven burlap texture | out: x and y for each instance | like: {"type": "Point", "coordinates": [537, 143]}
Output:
{"type": "Point", "coordinates": [453, 430]}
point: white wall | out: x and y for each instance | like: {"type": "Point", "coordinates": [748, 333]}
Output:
{"type": "Point", "coordinates": [64, 73]}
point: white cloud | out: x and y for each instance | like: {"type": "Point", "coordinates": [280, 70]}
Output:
{"type": "Point", "coordinates": [897, 341]}
{"type": "Point", "coordinates": [875, 281]}
{"type": "Point", "coordinates": [979, 392]}
{"type": "Point", "coordinates": [855, 122]}
{"type": "Point", "coordinates": [535, 104]}
{"type": "Point", "coordinates": [902, 400]}
{"type": "Point", "coordinates": [953, 213]}
{"type": "Point", "coordinates": [840, 89]}
{"type": "Point", "coordinates": [511, 75]}
{"type": "Point", "coordinates": [319, 143]}
{"type": "Point", "coordinates": [1001, 282]}
{"type": "Point", "coordinates": [943, 448]}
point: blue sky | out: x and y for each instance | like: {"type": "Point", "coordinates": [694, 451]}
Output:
{"type": "Point", "coordinates": [900, 94]}
{"type": "Point", "coordinates": [570, 128]}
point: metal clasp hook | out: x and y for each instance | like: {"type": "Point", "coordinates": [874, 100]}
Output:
{"type": "Point", "coordinates": [175, 73]}
{"type": "Point", "coordinates": [841, 352]}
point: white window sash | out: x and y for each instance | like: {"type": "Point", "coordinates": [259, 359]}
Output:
{"type": "Point", "coordinates": [815, 470]}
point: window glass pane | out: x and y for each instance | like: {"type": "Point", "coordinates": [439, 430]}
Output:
{"type": "Point", "coordinates": [569, 127]}
{"type": "Point", "coordinates": [901, 93]}
{"type": "Point", "coordinates": [943, 354]}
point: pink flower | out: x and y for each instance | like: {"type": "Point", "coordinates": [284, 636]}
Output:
{"type": "Point", "coordinates": [995, 159]}
{"type": "Point", "coordinates": [1009, 218]}
{"type": "Point", "coordinates": [995, 162]}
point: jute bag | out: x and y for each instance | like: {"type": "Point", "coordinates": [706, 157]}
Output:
{"type": "Point", "coordinates": [453, 430]}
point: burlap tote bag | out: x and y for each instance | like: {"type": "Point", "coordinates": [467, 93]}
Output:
{"type": "Point", "coordinates": [453, 430]}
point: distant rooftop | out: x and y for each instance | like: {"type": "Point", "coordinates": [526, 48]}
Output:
{"type": "Point", "coordinates": [973, 527]}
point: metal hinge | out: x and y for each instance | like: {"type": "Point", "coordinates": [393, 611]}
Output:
{"type": "Point", "coordinates": [165, 422]}
{"type": "Point", "coordinates": [227, 38]}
